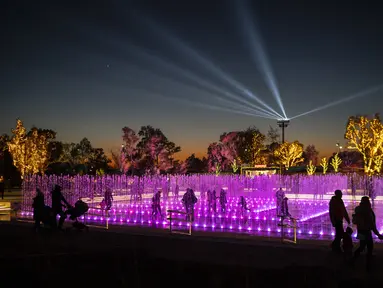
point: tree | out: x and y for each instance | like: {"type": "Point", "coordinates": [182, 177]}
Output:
{"type": "Point", "coordinates": [378, 162]}
{"type": "Point", "coordinates": [351, 158]}
{"type": "Point", "coordinates": [55, 149]}
{"type": "Point", "coordinates": [17, 148]}
{"type": "Point", "coordinates": [289, 154]}
{"type": "Point", "coordinates": [4, 139]}
{"type": "Point", "coordinates": [100, 160]}
{"type": "Point", "coordinates": [118, 161]}
{"type": "Point", "coordinates": [310, 154]}
{"type": "Point", "coordinates": [229, 147]}
{"type": "Point", "coordinates": [179, 167]}
{"type": "Point", "coordinates": [217, 169]}
{"type": "Point", "coordinates": [273, 135]}
{"type": "Point", "coordinates": [335, 162]}
{"type": "Point", "coordinates": [68, 154]}
{"type": "Point", "coordinates": [324, 164]}
{"type": "Point", "coordinates": [84, 152]}
{"type": "Point", "coordinates": [30, 150]}
{"type": "Point", "coordinates": [246, 148]}
{"type": "Point", "coordinates": [234, 166]}
{"type": "Point", "coordinates": [155, 152]}
{"type": "Point", "coordinates": [82, 156]}
{"type": "Point", "coordinates": [256, 147]}
{"type": "Point", "coordinates": [311, 168]}
{"type": "Point", "coordinates": [41, 139]}
{"type": "Point", "coordinates": [195, 164]}
{"type": "Point", "coordinates": [214, 156]}
{"type": "Point", "coordinates": [366, 135]}
{"type": "Point", "coordinates": [130, 139]}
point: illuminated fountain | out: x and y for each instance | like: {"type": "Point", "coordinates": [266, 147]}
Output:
{"type": "Point", "coordinates": [309, 196]}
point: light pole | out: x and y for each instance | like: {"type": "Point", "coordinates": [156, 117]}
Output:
{"type": "Point", "coordinates": [283, 123]}
{"type": "Point", "coordinates": [339, 147]}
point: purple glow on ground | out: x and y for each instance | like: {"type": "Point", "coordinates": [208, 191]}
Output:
{"type": "Point", "coordinates": [309, 196]}
{"type": "Point", "coordinates": [313, 217]}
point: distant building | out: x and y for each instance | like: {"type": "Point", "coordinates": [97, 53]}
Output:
{"type": "Point", "coordinates": [258, 170]}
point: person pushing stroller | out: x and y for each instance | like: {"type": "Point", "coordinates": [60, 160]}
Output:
{"type": "Point", "coordinates": [79, 209]}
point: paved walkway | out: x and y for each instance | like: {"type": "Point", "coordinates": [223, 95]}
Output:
{"type": "Point", "coordinates": [18, 241]}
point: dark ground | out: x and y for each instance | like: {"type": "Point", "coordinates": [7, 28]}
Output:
{"type": "Point", "coordinates": [138, 257]}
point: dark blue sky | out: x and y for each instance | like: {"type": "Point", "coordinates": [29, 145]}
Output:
{"type": "Point", "coordinates": [88, 68]}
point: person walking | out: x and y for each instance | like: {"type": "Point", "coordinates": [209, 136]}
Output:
{"type": "Point", "coordinates": [365, 221]}
{"type": "Point", "coordinates": [338, 212]}
{"type": "Point", "coordinates": [58, 201]}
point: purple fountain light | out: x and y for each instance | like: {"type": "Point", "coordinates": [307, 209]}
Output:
{"type": "Point", "coordinates": [132, 200]}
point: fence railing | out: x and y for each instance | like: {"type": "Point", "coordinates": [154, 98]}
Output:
{"type": "Point", "coordinates": [188, 219]}
{"type": "Point", "coordinates": [292, 225]}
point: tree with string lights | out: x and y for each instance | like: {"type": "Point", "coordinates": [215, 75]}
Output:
{"type": "Point", "coordinates": [311, 168]}
{"type": "Point", "coordinates": [17, 148]}
{"type": "Point", "coordinates": [324, 164]}
{"type": "Point", "coordinates": [289, 153]}
{"type": "Point", "coordinates": [335, 163]}
{"type": "Point", "coordinates": [30, 151]}
{"type": "Point", "coordinates": [366, 135]}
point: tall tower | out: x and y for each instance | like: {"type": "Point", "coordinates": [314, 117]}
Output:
{"type": "Point", "coordinates": [283, 123]}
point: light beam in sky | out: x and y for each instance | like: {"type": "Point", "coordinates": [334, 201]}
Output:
{"type": "Point", "coordinates": [258, 52]}
{"type": "Point", "coordinates": [210, 107]}
{"type": "Point", "coordinates": [344, 100]}
{"type": "Point", "coordinates": [191, 53]}
{"type": "Point", "coordinates": [219, 100]}
{"type": "Point", "coordinates": [239, 102]}
{"type": "Point", "coordinates": [117, 43]}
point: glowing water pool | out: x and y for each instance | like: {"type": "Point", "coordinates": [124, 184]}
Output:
{"type": "Point", "coordinates": [309, 196]}
{"type": "Point", "coordinates": [312, 215]}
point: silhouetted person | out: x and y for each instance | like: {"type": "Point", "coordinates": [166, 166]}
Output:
{"type": "Point", "coordinates": [176, 191]}
{"type": "Point", "coordinates": [242, 203]}
{"type": "Point", "coordinates": [214, 201]}
{"type": "Point", "coordinates": [347, 244]}
{"type": "Point", "coordinates": [156, 205]}
{"type": "Point", "coordinates": [189, 200]}
{"type": "Point", "coordinates": [285, 208]}
{"type": "Point", "coordinates": [2, 188]}
{"type": "Point", "coordinates": [223, 200]}
{"type": "Point", "coordinates": [279, 195]}
{"type": "Point", "coordinates": [38, 206]}
{"type": "Point", "coordinates": [337, 212]}
{"type": "Point", "coordinates": [58, 202]}
{"type": "Point", "coordinates": [365, 220]}
{"type": "Point", "coordinates": [108, 197]}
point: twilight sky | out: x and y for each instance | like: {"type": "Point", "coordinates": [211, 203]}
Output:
{"type": "Point", "coordinates": [88, 68]}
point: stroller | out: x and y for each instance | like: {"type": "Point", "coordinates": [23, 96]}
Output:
{"type": "Point", "coordinates": [79, 209]}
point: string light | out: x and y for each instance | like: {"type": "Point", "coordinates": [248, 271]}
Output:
{"type": "Point", "coordinates": [30, 151]}
{"type": "Point", "coordinates": [366, 135]}
{"type": "Point", "coordinates": [335, 162]}
{"type": "Point", "coordinates": [311, 168]}
{"type": "Point", "coordinates": [324, 164]}
{"type": "Point", "coordinates": [289, 154]}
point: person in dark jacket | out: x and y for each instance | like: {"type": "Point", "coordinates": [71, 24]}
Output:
{"type": "Point", "coordinates": [2, 187]}
{"type": "Point", "coordinates": [58, 202]}
{"type": "Point", "coordinates": [338, 212]}
{"type": "Point", "coordinates": [38, 206]}
{"type": "Point", "coordinates": [365, 220]}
